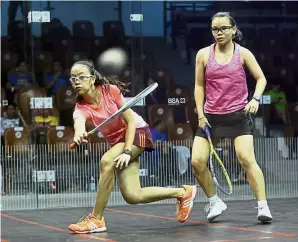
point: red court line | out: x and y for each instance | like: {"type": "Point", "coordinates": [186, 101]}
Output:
{"type": "Point", "coordinates": [53, 228]}
{"type": "Point", "coordinates": [4, 240]}
{"type": "Point", "coordinates": [251, 239]}
{"type": "Point", "coordinates": [204, 223]}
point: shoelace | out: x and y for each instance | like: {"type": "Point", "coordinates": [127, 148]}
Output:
{"type": "Point", "coordinates": [208, 207]}
{"type": "Point", "coordinates": [84, 220]}
{"type": "Point", "coordinates": [261, 207]}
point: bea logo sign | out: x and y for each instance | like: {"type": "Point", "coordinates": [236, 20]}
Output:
{"type": "Point", "coordinates": [4, 103]}
{"type": "Point", "coordinates": [176, 101]}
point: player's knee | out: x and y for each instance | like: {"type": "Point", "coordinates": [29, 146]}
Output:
{"type": "Point", "coordinates": [246, 160]}
{"type": "Point", "coordinates": [199, 164]}
{"type": "Point", "coordinates": [132, 197]}
{"type": "Point", "coordinates": [106, 164]}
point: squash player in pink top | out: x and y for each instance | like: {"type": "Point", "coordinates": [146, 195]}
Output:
{"type": "Point", "coordinates": [129, 135]}
{"type": "Point", "coordinates": [220, 80]}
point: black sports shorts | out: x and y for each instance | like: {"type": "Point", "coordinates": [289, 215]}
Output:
{"type": "Point", "coordinates": [229, 125]}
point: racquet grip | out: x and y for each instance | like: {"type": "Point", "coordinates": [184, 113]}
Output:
{"type": "Point", "coordinates": [73, 146]}
{"type": "Point", "coordinates": [207, 131]}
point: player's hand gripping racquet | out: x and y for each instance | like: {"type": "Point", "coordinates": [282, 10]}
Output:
{"type": "Point", "coordinates": [211, 166]}
{"type": "Point", "coordinates": [128, 105]}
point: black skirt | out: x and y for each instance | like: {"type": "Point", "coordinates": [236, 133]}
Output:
{"type": "Point", "coordinates": [229, 125]}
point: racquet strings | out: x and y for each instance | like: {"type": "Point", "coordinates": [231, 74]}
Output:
{"type": "Point", "coordinates": [220, 171]}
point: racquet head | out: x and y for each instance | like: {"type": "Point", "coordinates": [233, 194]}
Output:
{"type": "Point", "coordinates": [218, 171]}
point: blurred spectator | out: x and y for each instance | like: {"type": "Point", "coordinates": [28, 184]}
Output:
{"type": "Point", "coordinates": [45, 119]}
{"type": "Point", "coordinates": [279, 103]}
{"type": "Point", "coordinates": [20, 78]}
{"type": "Point", "coordinates": [11, 118]}
{"type": "Point", "coordinates": [158, 131]}
{"type": "Point", "coordinates": [56, 79]}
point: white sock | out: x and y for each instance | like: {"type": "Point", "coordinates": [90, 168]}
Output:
{"type": "Point", "coordinates": [262, 203]}
{"type": "Point", "coordinates": [213, 199]}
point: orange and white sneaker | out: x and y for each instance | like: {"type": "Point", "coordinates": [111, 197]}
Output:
{"type": "Point", "coordinates": [88, 224]}
{"type": "Point", "coordinates": [185, 203]}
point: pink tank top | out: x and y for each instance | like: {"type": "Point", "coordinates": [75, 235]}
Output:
{"type": "Point", "coordinates": [226, 87]}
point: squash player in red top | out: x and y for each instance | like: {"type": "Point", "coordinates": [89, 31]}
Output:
{"type": "Point", "coordinates": [220, 80]}
{"type": "Point", "coordinates": [129, 135]}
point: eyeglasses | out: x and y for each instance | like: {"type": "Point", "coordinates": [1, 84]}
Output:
{"type": "Point", "coordinates": [223, 29]}
{"type": "Point", "coordinates": [79, 78]}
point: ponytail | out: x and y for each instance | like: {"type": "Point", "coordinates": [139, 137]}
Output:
{"type": "Point", "coordinates": [102, 80]}
{"type": "Point", "coordinates": [112, 79]}
{"type": "Point", "coordinates": [238, 35]}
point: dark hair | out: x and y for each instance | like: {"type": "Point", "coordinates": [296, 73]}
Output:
{"type": "Point", "coordinates": [102, 80]}
{"type": "Point", "coordinates": [238, 35]}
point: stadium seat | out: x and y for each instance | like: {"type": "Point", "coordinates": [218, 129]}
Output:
{"type": "Point", "coordinates": [83, 36]}
{"type": "Point", "coordinates": [24, 99]}
{"type": "Point", "coordinates": [66, 98]}
{"type": "Point", "coordinates": [8, 60]}
{"type": "Point", "coordinates": [113, 32]}
{"type": "Point", "coordinates": [98, 46]}
{"type": "Point", "coordinates": [160, 112]}
{"type": "Point", "coordinates": [163, 77]}
{"type": "Point", "coordinates": [16, 140]}
{"type": "Point", "coordinates": [180, 132]}
{"type": "Point", "coordinates": [144, 63]}
{"type": "Point", "coordinates": [72, 57]}
{"type": "Point", "coordinates": [36, 44]}
{"type": "Point", "coordinates": [62, 48]}
{"type": "Point", "coordinates": [83, 29]}
{"type": "Point", "coordinates": [59, 138]}
{"type": "Point", "coordinates": [42, 61]}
